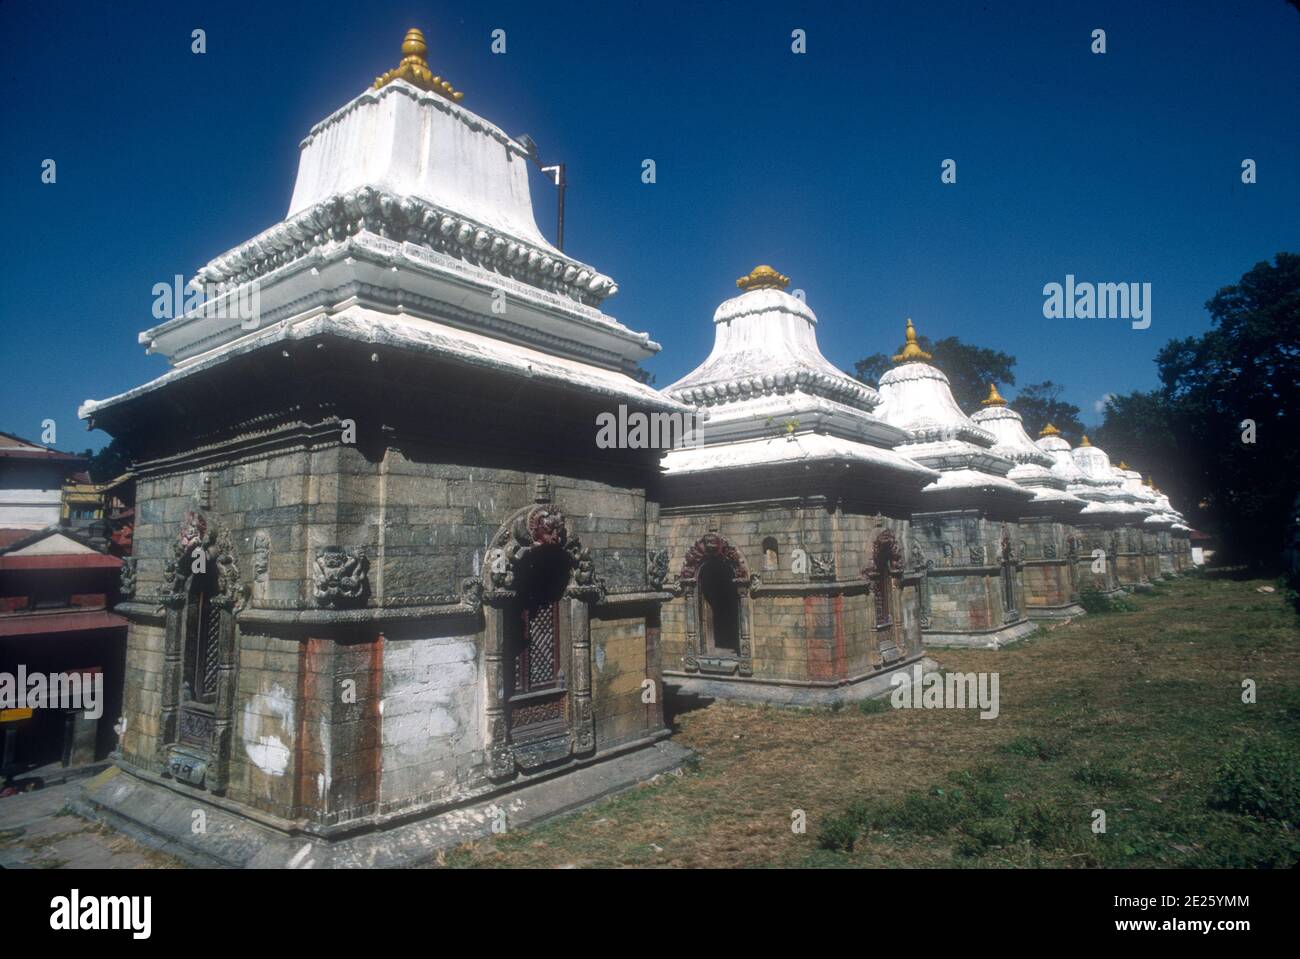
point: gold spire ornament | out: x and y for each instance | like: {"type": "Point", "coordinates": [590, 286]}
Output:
{"type": "Point", "coordinates": [1123, 465]}
{"type": "Point", "coordinates": [911, 352]}
{"type": "Point", "coordinates": [414, 69]}
{"type": "Point", "coordinates": [1085, 441]}
{"type": "Point", "coordinates": [994, 398]}
{"type": "Point", "coordinates": [763, 278]}
{"type": "Point", "coordinates": [1049, 430]}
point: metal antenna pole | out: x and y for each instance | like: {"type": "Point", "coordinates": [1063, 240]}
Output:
{"type": "Point", "coordinates": [556, 173]}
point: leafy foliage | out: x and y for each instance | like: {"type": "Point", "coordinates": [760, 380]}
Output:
{"type": "Point", "coordinates": [110, 462]}
{"type": "Point", "coordinates": [1261, 779]}
{"type": "Point", "coordinates": [1040, 403]}
{"type": "Point", "coordinates": [1247, 367]}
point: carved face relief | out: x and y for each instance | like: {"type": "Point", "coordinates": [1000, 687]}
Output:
{"type": "Point", "coordinates": [341, 576]}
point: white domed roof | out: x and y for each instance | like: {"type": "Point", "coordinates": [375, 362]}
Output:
{"type": "Point", "coordinates": [765, 343]}
{"type": "Point", "coordinates": [1034, 466]}
{"type": "Point", "coordinates": [917, 397]}
{"type": "Point", "coordinates": [766, 379]}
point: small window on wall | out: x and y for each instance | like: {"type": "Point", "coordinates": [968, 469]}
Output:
{"type": "Point", "coordinates": [771, 558]}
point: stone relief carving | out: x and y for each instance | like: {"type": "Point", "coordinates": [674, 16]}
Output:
{"type": "Point", "coordinates": [656, 567]}
{"type": "Point", "coordinates": [977, 555]}
{"type": "Point", "coordinates": [471, 592]}
{"type": "Point", "coordinates": [821, 566]}
{"type": "Point", "coordinates": [196, 535]}
{"type": "Point", "coordinates": [126, 581]}
{"type": "Point", "coordinates": [341, 577]}
{"type": "Point", "coordinates": [543, 525]}
{"type": "Point", "coordinates": [261, 557]}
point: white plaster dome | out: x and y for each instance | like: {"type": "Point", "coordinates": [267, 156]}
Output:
{"type": "Point", "coordinates": [917, 397]}
{"type": "Point", "coordinates": [1034, 466]}
{"type": "Point", "coordinates": [765, 343]}
{"type": "Point", "coordinates": [1051, 442]}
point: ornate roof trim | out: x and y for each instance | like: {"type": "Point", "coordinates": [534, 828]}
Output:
{"type": "Point", "coordinates": [412, 220]}
{"type": "Point", "coordinates": [841, 389]}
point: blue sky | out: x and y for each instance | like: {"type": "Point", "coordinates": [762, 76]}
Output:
{"type": "Point", "coordinates": [1116, 167]}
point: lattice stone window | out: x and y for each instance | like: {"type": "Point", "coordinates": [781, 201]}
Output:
{"type": "Point", "coordinates": [883, 587]}
{"type": "Point", "coordinates": [535, 650]}
{"type": "Point", "coordinates": [202, 650]}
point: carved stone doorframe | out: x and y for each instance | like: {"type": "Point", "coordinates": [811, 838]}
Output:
{"type": "Point", "coordinates": [884, 578]}
{"type": "Point", "coordinates": [709, 547]}
{"type": "Point", "coordinates": [194, 745]}
{"type": "Point", "coordinates": [540, 525]}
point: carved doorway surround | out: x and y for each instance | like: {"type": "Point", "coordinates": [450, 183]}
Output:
{"type": "Point", "coordinates": [1010, 599]}
{"type": "Point", "coordinates": [202, 595]}
{"type": "Point", "coordinates": [884, 577]}
{"type": "Point", "coordinates": [717, 586]}
{"type": "Point", "coordinates": [538, 589]}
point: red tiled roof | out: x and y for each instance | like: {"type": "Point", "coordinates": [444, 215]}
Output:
{"type": "Point", "coordinates": [18, 454]}
{"type": "Point", "coordinates": [35, 624]}
{"type": "Point", "coordinates": [10, 536]}
{"type": "Point", "coordinates": [61, 561]}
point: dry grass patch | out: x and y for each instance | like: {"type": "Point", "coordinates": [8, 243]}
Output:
{"type": "Point", "coordinates": [1127, 711]}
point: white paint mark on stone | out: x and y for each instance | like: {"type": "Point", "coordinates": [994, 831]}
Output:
{"type": "Point", "coordinates": [297, 861]}
{"type": "Point", "coordinates": [267, 751]}
{"type": "Point", "coordinates": [324, 779]}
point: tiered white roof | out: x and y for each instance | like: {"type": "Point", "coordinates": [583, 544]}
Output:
{"type": "Point", "coordinates": [1101, 485]}
{"type": "Point", "coordinates": [1143, 497]}
{"type": "Point", "coordinates": [1177, 520]}
{"type": "Point", "coordinates": [770, 396]}
{"type": "Point", "coordinates": [1034, 466]}
{"type": "Point", "coordinates": [917, 398]}
{"type": "Point", "coordinates": [411, 212]}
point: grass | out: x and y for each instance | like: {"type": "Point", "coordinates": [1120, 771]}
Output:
{"type": "Point", "coordinates": [1135, 717]}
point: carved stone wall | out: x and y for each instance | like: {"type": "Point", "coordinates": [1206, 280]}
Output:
{"type": "Point", "coordinates": [808, 614]}
{"type": "Point", "coordinates": [353, 578]}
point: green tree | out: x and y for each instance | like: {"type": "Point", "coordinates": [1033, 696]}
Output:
{"type": "Point", "coordinates": [110, 462]}
{"type": "Point", "coordinates": [1233, 402]}
{"type": "Point", "coordinates": [1040, 403]}
{"type": "Point", "coordinates": [970, 369]}
{"type": "Point", "coordinates": [1141, 430]}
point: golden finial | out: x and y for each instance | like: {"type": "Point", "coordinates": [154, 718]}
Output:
{"type": "Point", "coordinates": [1084, 441]}
{"type": "Point", "coordinates": [910, 350]}
{"type": "Point", "coordinates": [1123, 465]}
{"type": "Point", "coordinates": [994, 399]}
{"type": "Point", "coordinates": [414, 69]}
{"type": "Point", "coordinates": [763, 278]}
{"type": "Point", "coordinates": [1049, 430]}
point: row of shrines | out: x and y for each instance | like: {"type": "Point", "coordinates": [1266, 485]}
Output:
{"type": "Point", "coordinates": [384, 574]}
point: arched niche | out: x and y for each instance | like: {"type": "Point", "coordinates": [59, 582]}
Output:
{"type": "Point", "coordinates": [716, 584]}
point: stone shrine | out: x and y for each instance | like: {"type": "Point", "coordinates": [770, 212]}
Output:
{"type": "Point", "coordinates": [966, 531]}
{"type": "Point", "coordinates": [385, 574]}
{"type": "Point", "coordinates": [785, 534]}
